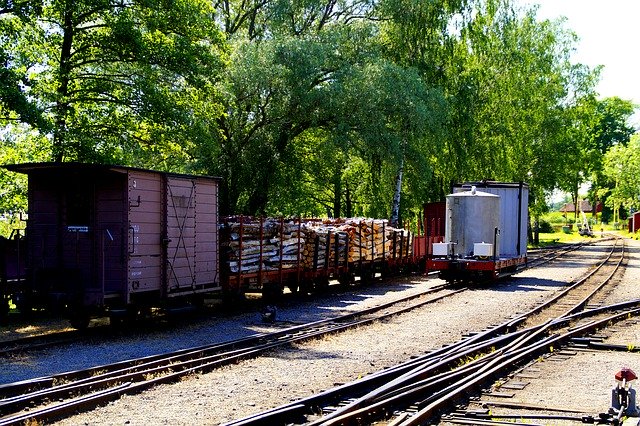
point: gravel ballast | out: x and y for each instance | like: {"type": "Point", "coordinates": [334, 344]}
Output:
{"type": "Point", "coordinates": [281, 376]}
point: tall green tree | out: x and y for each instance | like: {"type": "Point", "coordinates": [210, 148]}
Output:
{"type": "Point", "coordinates": [622, 168]}
{"type": "Point", "coordinates": [17, 21]}
{"type": "Point", "coordinates": [122, 82]}
{"type": "Point", "coordinates": [290, 90]}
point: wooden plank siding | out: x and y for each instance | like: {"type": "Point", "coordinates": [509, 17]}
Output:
{"type": "Point", "coordinates": [144, 232]}
{"type": "Point", "coordinates": [181, 250]}
{"type": "Point", "coordinates": [207, 260]}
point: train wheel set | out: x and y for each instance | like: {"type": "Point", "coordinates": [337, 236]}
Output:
{"type": "Point", "coordinates": [121, 241]}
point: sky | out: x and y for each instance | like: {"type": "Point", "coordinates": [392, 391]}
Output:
{"type": "Point", "coordinates": [609, 33]}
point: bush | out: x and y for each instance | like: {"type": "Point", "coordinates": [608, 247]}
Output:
{"type": "Point", "coordinates": [555, 218]}
{"type": "Point", "coordinates": [545, 227]}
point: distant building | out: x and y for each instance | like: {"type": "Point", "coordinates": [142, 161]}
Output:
{"type": "Point", "coordinates": [585, 206]}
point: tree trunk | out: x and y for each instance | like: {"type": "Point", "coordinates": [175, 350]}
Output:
{"type": "Point", "coordinates": [576, 208]}
{"type": "Point", "coordinates": [395, 208]}
{"type": "Point", "coordinates": [348, 204]}
{"type": "Point", "coordinates": [62, 102]}
{"type": "Point", "coordinates": [337, 192]}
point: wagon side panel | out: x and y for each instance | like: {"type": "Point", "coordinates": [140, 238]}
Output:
{"type": "Point", "coordinates": [180, 196]}
{"type": "Point", "coordinates": [206, 259]}
{"type": "Point", "coordinates": [145, 226]}
{"type": "Point", "coordinates": [111, 237]}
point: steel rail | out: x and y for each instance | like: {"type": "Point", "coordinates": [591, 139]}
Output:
{"type": "Point", "coordinates": [8, 347]}
{"type": "Point", "coordinates": [538, 331]}
{"type": "Point", "coordinates": [436, 361]}
{"type": "Point", "coordinates": [458, 389]}
{"type": "Point", "coordinates": [180, 368]}
{"type": "Point", "coordinates": [523, 317]}
{"type": "Point", "coordinates": [304, 406]}
{"type": "Point", "coordinates": [43, 382]}
{"type": "Point", "coordinates": [391, 393]}
{"type": "Point", "coordinates": [434, 403]}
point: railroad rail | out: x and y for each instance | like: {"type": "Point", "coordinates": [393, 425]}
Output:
{"type": "Point", "coordinates": [101, 384]}
{"type": "Point", "coordinates": [86, 389]}
{"type": "Point", "coordinates": [22, 345]}
{"type": "Point", "coordinates": [419, 391]}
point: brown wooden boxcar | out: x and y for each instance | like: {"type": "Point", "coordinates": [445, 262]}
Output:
{"type": "Point", "coordinates": [111, 237]}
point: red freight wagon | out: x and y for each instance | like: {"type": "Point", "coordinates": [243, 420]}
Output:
{"type": "Point", "coordinates": [117, 238]}
{"type": "Point", "coordinates": [634, 222]}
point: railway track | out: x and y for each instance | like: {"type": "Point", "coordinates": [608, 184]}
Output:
{"type": "Point", "coordinates": [86, 389]}
{"type": "Point", "coordinates": [15, 346]}
{"type": "Point", "coordinates": [419, 391]}
{"type": "Point", "coordinates": [31, 343]}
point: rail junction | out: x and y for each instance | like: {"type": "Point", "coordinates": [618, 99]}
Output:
{"type": "Point", "coordinates": [415, 392]}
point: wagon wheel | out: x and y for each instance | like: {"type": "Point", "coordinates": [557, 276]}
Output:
{"type": "Point", "coordinates": [116, 321]}
{"type": "Point", "coordinates": [321, 284]}
{"type": "Point", "coordinates": [293, 286]}
{"type": "Point", "coordinates": [24, 305]}
{"type": "Point", "coordinates": [345, 279]}
{"type": "Point", "coordinates": [305, 287]}
{"type": "Point", "coordinates": [271, 292]}
{"type": "Point", "coordinates": [4, 308]}
{"type": "Point", "coordinates": [130, 316]}
{"type": "Point", "coordinates": [232, 297]}
{"type": "Point", "coordinates": [366, 277]}
{"type": "Point", "coordinates": [79, 319]}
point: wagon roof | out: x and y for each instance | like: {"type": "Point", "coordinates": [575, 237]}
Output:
{"type": "Point", "coordinates": [492, 184]}
{"type": "Point", "coordinates": [473, 193]}
{"type": "Point", "coordinates": [88, 167]}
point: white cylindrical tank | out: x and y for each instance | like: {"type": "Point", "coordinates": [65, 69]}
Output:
{"type": "Point", "coordinates": [472, 217]}
{"type": "Point", "coordinates": [514, 218]}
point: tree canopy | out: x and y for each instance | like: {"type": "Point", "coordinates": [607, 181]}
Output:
{"type": "Point", "coordinates": [315, 107]}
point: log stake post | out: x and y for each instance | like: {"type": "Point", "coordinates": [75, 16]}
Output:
{"type": "Point", "coordinates": [395, 243]}
{"type": "Point", "coordinates": [240, 237]}
{"type": "Point", "coordinates": [360, 248]}
{"type": "Point", "coordinates": [281, 250]}
{"type": "Point", "coordinates": [327, 252]}
{"type": "Point", "coordinates": [416, 247]}
{"type": "Point", "coordinates": [346, 251]}
{"type": "Point", "coordinates": [336, 254]}
{"type": "Point", "coordinates": [373, 248]}
{"type": "Point", "coordinates": [384, 241]}
{"type": "Point", "coordinates": [299, 254]}
{"type": "Point", "coordinates": [261, 252]}
{"type": "Point", "coordinates": [315, 253]}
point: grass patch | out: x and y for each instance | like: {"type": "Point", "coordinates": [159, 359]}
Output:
{"type": "Point", "coordinates": [549, 239]}
{"type": "Point", "coordinates": [560, 237]}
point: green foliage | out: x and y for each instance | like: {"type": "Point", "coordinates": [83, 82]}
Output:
{"type": "Point", "coordinates": [19, 145]}
{"type": "Point", "coordinates": [544, 226]}
{"type": "Point", "coordinates": [310, 107]}
{"type": "Point", "coordinates": [118, 82]}
{"type": "Point", "coordinates": [622, 167]}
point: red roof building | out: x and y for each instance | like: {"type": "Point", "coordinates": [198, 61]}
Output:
{"type": "Point", "coordinates": [585, 206]}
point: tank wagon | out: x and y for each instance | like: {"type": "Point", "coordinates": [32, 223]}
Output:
{"type": "Point", "coordinates": [485, 231]}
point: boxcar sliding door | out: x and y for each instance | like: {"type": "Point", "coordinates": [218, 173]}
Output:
{"type": "Point", "coordinates": [191, 243]}
{"type": "Point", "coordinates": [181, 233]}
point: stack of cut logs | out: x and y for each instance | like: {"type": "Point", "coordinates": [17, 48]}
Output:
{"type": "Point", "coordinates": [374, 239]}
{"type": "Point", "coordinates": [325, 245]}
{"type": "Point", "coordinates": [262, 245]}
{"type": "Point", "coordinates": [272, 244]}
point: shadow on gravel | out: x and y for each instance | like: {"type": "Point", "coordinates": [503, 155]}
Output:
{"type": "Point", "coordinates": [317, 307]}
{"type": "Point", "coordinates": [528, 284]}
